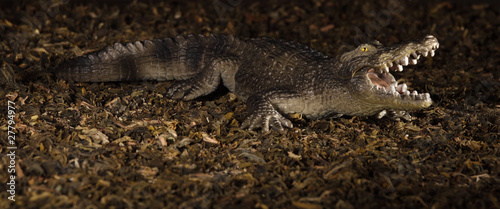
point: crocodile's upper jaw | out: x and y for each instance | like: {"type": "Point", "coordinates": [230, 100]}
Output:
{"type": "Point", "coordinates": [381, 88]}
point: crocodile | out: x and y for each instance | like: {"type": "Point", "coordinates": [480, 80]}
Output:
{"type": "Point", "coordinates": [274, 77]}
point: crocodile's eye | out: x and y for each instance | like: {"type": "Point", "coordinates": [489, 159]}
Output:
{"type": "Point", "coordinates": [364, 49]}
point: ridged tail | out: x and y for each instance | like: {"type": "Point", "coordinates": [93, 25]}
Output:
{"type": "Point", "coordinates": [176, 58]}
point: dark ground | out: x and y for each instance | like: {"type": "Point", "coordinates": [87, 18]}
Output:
{"type": "Point", "coordinates": [124, 145]}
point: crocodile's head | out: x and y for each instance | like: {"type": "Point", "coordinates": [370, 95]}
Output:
{"type": "Point", "coordinates": [368, 70]}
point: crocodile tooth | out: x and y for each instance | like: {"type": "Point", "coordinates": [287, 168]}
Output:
{"type": "Point", "coordinates": [402, 88]}
{"type": "Point", "coordinates": [427, 96]}
{"type": "Point", "coordinates": [390, 64]}
{"type": "Point", "coordinates": [414, 93]}
{"type": "Point", "coordinates": [413, 61]}
{"type": "Point", "coordinates": [404, 61]}
{"type": "Point", "coordinates": [415, 55]}
{"type": "Point", "coordinates": [400, 68]}
{"type": "Point", "coordinates": [407, 92]}
{"type": "Point", "coordinates": [425, 53]}
{"type": "Point", "coordinates": [437, 46]}
{"type": "Point", "coordinates": [395, 93]}
{"type": "Point", "coordinates": [385, 68]}
{"type": "Point", "coordinates": [432, 53]}
{"type": "Point", "coordinates": [392, 89]}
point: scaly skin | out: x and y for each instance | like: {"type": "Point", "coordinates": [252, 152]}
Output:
{"type": "Point", "coordinates": [274, 77]}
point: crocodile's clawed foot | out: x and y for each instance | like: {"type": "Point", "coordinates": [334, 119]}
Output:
{"type": "Point", "coordinates": [185, 90]}
{"type": "Point", "coordinates": [396, 115]}
{"type": "Point", "coordinates": [274, 120]}
{"type": "Point", "coordinates": [176, 91]}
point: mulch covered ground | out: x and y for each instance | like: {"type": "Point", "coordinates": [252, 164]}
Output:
{"type": "Point", "coordinates": [125, 145]}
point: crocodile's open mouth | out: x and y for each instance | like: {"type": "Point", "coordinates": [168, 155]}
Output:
{"type": "Point", "coordinates": [384, 82]}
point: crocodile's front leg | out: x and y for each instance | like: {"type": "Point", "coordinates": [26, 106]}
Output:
{"type": "Point", "coordinates": [265, 109]}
